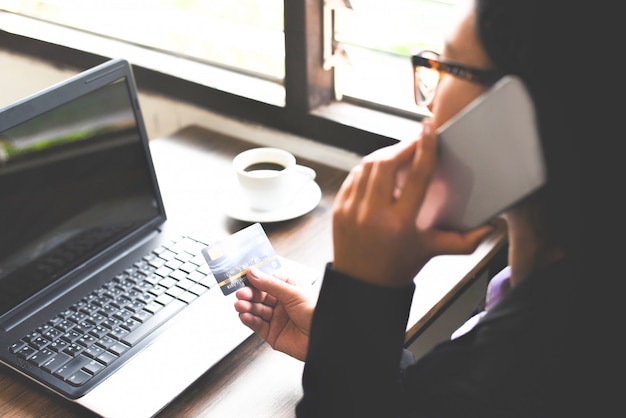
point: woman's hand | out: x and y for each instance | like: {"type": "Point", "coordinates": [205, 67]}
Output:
{"type": "Point", "coordinates": [278, 311]}
{"type": "Point", "coordinates": [375, 236]}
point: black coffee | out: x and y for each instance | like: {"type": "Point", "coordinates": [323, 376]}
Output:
{"type": "Point", "coordinates": [264, 166]}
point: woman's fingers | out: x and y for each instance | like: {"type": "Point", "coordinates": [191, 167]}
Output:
{"type": "Point", "coordinates": [388, 172]}
{"type": "Point", "coordinates": [255, 323]}
{"type": "Point", "coordinates": [421, 170]}
{"type": "Point", "coordinates": [276, 288]}
{"type": "Point", "coordinates": [465, 243]}
{"type": "Point", "coordinates": [261, 310]}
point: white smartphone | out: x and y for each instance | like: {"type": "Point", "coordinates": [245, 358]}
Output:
{"type": "Point", "coordinates": [489, 158]}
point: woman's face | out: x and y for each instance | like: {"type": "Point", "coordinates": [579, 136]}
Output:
{"type": "Point", "coordinates": [462, 47]}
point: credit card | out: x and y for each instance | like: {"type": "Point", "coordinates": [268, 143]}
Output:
{"type": "Point", "coordinates": [230, 258]}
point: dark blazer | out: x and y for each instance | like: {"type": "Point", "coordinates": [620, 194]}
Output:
{"type": "Point", "coordinates": [527, 357]}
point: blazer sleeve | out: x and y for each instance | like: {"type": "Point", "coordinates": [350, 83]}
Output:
{"type": "Point", "coordinates": [355, 349]}
{"type": "Point", "coordinates": [524, 358]}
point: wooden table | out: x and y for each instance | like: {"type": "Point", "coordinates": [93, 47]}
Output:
{"type": "Point", "coordinates": [254, 380]}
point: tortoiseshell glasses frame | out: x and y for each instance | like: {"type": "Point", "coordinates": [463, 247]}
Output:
{"type": "Point", "coordinates": [428, 69]}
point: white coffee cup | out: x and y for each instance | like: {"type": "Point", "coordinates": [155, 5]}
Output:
{"type": "Point", "coordinates": [270, 177]}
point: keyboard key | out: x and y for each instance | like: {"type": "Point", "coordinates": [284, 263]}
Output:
{"type": "Point", "coordinates": [118, 348]}
{"type": "Point", "coordinates": [167, 255]}
{"type": "Point", "coordinates": [54, 362]}
{"type": "Point", "coordinates": [185, 284]}
{"type": "Point", "coordinates": [178, 275]}
{"type": "Point", "coordinates": [58, 345]}
{"type": "Point", "coordinates": [187, 297]}
{"type": "Point", "coordinates": [157, 290]}
{"type": "Point", "coordinates": [198, 259]}
{"type": "Point", "coordinates": [65, 325]}
{"type": "Point", "coordinates": [71, 336]}
{"type": "Point", "coordinates": [42, 329]}
{"type": "Point", "coordinates": [106, 342]}
{"type": "Point", "coordinates": [86, 340]}
{"type": "Point", "coordinates": [189, 267]}
{"type": "Point", "coordinates": [174, 264]}
{"type": "Point", "coordinates": [123, 315]}
{"type": "Point", "coordinates": [118, 333]}
{"type": "Point", "coordinates": [41, 357]}
{"type": "Point", "coordinates": [111, 323]}
{"type": "Point", "coordinates": [168, 296]}
{"type": "Point", "coordinates": [39, 342]}
{"type": "Point", "coordinates": [184, 256]}
{"type": "Point", "coordinates": [73, 349]}
{"type": "Point", "coordinates": [163, 271]}
{"type": "Point", "coordinates": [15, 347]}
{"type": "Point", "coordinates": [99, 331]}
{"type": "Point", "coordinates": [108, 310]}
{"type": "Point", "coordinates": [153, 307]}
{"type": "Point", "coordinates": [26, 352]}
{"type": "Point", "coordinates": [93, 367]}
{"type": "Point", "coordinates": [55, 321]}
{"type": "Point", "coordinates": [196, 276]}
{"type": "Point", "coordinates": [93, 351]}
{"type": "Point", "coordinates": [78, 317]}
{"type": "Point", "coordinates": [168, 282]}
{"type": "Point", "coordinates": [120, 302]}
{"type": "Point", "coordinates": [52, 334]}
{"type": "Point", "coordinates": [78, 378]}
{"type": "Point", "coordinates": [156, 262]}
{"type": "Point", "coordinates": [89, 309]}
{"type": "Point", "coordinates": [137, 305]}
{"type": "Point", "coordinates": [69, 368]}
{"type": "Point", "coordinates": [130, 324]}
{"type": "Point", "coordinates": [198, 289]}
{"type": "Point", "coordinates": [141, 316]}
{"type": "Point", "coordinates": [107, 358]}
{"type": "Point", "coordinates": [84, 327]}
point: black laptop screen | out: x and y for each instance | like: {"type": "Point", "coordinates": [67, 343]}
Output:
{"type": "Point", "coordinates": [73, 180]}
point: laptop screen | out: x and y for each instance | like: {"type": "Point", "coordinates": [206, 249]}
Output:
{"type": "Point", "coordinates": [73, 180]}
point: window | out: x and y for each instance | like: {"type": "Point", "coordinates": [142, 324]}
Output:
{"type": "Point", "coordinates": [284, 43]}
{"type": "Point", "coordinates": [376, 39]}
{"type": "Point", "coordinates": [245, 35]}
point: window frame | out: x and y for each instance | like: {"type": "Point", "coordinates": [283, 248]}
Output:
{"type": "Point", "coordinates": [308, 109]}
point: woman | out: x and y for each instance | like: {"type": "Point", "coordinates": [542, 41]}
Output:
{"type": "Point", "coordinates": [525, 356]}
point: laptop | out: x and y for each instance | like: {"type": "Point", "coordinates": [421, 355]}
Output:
{"type": "Point", "coordinates": [99, 302]}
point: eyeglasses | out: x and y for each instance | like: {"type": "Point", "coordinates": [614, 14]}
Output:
{"type": "Point", "coordinates": [428, 69]}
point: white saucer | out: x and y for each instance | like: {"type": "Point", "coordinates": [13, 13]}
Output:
{"type": "Point", "coordinates": [304, 201]}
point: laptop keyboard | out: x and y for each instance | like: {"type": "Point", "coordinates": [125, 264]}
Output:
{"type": "Point", "coordinates": [93, 333]}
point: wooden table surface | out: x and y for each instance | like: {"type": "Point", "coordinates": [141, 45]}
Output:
{"type": "Point", "coordinates": [254, 380]}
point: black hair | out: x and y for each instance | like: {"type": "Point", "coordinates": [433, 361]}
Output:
{"type": "Point", "coordinates": [537, 41]}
